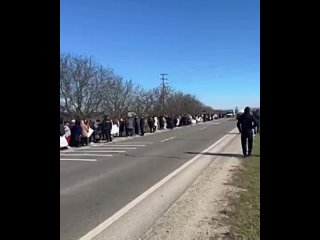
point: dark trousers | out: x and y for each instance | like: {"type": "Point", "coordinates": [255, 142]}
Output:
{"type": "Point", "coordinates": [108, 135]}
{"type": "Point", "coordinates": [103, 135]}
{"type": "Point", "coordinates": [75, 141]}
{"type": "Point", "coordinates": [141, 131]}
{"type": "Point", "coordinates": [72, 141]}
{"type": "Point", "coordinates": [84, 141]}
{"type": "Point", "coordinates": [120, 132]}
{"type": "Point", "coordinates": [151, 128]}
{"type": "Point", "coordinates": [136, 131]}
{"type": "Point", "coordinates": [246, 136]}
{"type": "Point", "coordinates": [130, 132]}
{"type": "Point", "coordinates": [92, 137]}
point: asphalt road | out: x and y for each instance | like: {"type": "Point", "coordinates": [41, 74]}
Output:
{"type": "Point", "coordinates": [95, 185]}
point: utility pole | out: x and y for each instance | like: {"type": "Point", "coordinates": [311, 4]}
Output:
{"type": "Point", "coordinates": [163, 88]}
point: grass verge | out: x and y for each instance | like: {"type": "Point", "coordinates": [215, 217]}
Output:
{"type": "Point", "coordinates": [245, 219]}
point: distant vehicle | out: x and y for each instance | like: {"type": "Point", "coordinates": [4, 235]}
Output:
{"type": "Point", "coordinates": [229, 115]}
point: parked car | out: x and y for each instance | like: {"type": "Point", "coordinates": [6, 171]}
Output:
{"type": "Point", "coordinates": [229, 115]}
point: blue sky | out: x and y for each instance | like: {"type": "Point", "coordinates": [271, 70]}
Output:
{"type": "Point", "coordinates": [209, 48]}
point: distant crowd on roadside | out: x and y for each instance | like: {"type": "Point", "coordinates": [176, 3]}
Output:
{"type": "Point", "coordinates": [79, 132]}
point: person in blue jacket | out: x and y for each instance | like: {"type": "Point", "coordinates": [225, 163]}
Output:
{"type": "Point", "coordinates": [76, 134]}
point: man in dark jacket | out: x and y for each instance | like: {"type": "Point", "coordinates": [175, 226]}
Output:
{"type": "Point", "coordinates": [141, 125]}
{"type": "Point", "coordinates": [151, 124]}
{"type": "Point", "coordinates": [161, 123]}
{"type": "Point", "coordinates": [136, 125]}
{"type": "Point", "coordinates": [121, 127]}
{"type": "Point", "coordinates": [246, 124]}
{"type": "Point", "coordinates": [107, 126]}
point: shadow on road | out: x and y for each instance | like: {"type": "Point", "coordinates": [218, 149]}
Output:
{"type": "Point", "coordinates": [148, 156]}
{"type": "Point", "coordinates": [221, 154]}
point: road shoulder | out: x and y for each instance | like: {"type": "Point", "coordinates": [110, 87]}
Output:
{"type": "Point", "coordinates": [201, 211]}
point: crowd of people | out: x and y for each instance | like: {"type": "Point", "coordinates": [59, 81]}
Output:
{"type": "Point", "coordinates": [83, 132]}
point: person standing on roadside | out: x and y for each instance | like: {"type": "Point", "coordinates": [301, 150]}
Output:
{"type": "Point", "coordinates": [85, 131]}
{"type": "Point", "coordinates": [142, 126]}
{"type": "Point", "coordinates": [108, 126]}
{"type": "Point", "coordinates": [76, 131]}
{"type": "Point", "coordinates": [67, 132]}
{"type": "Point", "coordinates": [136, 124]}
{"type": "Point", "coordinates": [246, 124]}
{"type": "Point", "coordinates": [121, 127]}
{"type": "Point", "coordinates": [155, 124]}
{"type": "Point", "coordinates": [151, 124]}
{"type": "Point", "coordinates": [130, 126]}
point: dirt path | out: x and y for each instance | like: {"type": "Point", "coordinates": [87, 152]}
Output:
{"type": "Point", "coordinates": [200, 212]}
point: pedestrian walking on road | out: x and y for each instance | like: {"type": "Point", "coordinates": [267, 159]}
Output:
{"type": "Point", "coordinates": [246, 124]}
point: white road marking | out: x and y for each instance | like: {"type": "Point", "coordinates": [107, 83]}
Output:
{"type": "Point", "coordinates": [109, 147]}
{"type": "Point", "coordinates": [202, 128]}
{"type": "Point", "coordinates": [94, 232]}
{"type": "Point", "coordinates": [86, 154]}
{"type": "Point", "coordinates": [123, 145]}
{"type": "Point", "coordinates": [92, 150]}
{"type": "Point", "coordinates": [78, 159]}
{"type": "Point", "coordinates": [167, 139]}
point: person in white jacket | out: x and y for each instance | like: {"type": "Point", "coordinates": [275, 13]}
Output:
{"type": "Point", "coordinates": [155, 124]}
{"type": "Point", "coordinates": [164, 122]}
{"type": "Point", "coordinates": [67, 132]}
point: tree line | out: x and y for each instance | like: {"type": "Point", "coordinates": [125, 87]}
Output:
{"type": "Point", "coordinates": [89, 89]}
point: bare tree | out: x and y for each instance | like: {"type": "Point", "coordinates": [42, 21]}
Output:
{"type": "Point", "coordinates": [117, 96]}
{"type": "Point", "coordinates": [175, 103]}
{"type": "Point", "coordinates": [143, 102]}
{"type": "Point", "coordinates": [81, 84]}
{"type": "Point", "coordinates": [88, 88]}
{"type": "Point", "coordinates": [180, 103]}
